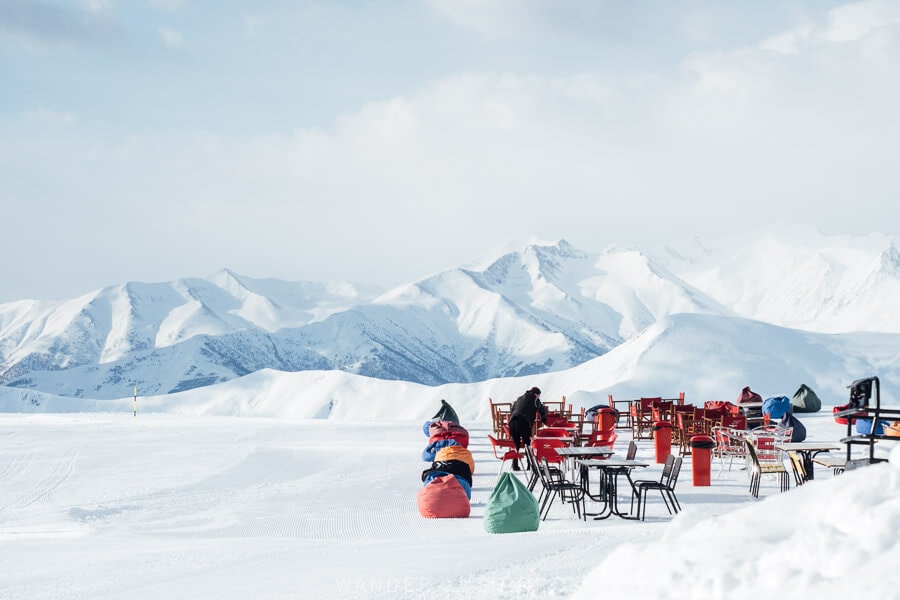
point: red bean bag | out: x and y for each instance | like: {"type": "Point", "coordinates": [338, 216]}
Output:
{"type": "Point", "coordinates": [443, 498]}
{"type": "Point", "coordinates": [448, 430]}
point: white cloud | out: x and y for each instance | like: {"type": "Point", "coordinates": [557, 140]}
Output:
{"type": "Point", "coordinates": [458, 162]}
{"type": "Point", "coordinates": [254, 24]}
{"type": "Point", "coordinates": [847, 23]}
{"type": "Point", "coordinates": [167, 4]}
{"type": "Point", "coordinates": [171, 38]}
{"type": "Point", "coordinates": [505, 17]}
{"type": "Point", "coordinates": [99, 6]}
{"type": "Point", "coordinates": [51, 116]}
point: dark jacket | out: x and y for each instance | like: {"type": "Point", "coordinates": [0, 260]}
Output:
{"type": "Point", "coordinates": [526, 407]}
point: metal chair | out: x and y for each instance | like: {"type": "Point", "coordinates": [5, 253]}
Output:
{"type": "Point", "coordinates": [556, 485]}
{"type": "Point", "coordinates": [665, 485]}
{"type": "Point", "coordinates": [729, 445]}
{"type": "Point", "coordinates": [757, 469]}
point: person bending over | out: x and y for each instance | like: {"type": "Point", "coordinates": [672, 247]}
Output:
{"type": "Point", "coordinates": [521, 420]}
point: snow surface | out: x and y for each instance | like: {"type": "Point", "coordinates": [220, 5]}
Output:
{"type": "Point", "coordinates": [163, 505]}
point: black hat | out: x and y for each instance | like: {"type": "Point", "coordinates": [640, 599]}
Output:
{"type": "Point", "coordinates": [535, 390]}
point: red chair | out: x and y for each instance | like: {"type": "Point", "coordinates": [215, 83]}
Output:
{"type": "Point", "coordinates": [662, 410]}
{"type": "Point", "coordinates": [688, 423]}
{"type": "Point", "coordinates": [734, 421]}
{"type": "Point", "coordinates": [557, 418]}
{"type": "Point", "coordinates": [642, 419]}
{"type": "Point", "coordinates": [554, 432]}
{"type": "Point", "coordinates": [505, 451]}
{"type": "Point", "coordinates": [545, 448]}
{"type": "Point", "coordinates": [599, 438]}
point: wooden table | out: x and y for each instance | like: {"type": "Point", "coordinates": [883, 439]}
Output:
{"type": "Point", "coordinates": [808, 451]}
{"type": "Point", "coordinates": [610, 469]}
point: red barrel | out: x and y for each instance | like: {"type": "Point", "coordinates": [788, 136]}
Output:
{"type": "Point", "coordinates": [662, 440]}
{"type": "Point", "coordinates": [701, 458]}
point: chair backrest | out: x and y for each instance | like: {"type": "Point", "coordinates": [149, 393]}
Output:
{"type": "Point", "coordinates": [532, 460]}
{"type": "Point", "coordinates": [662, 410]}
{"type": "Point", "coordinates": [684, 419]}
{"type": "Point", "coordinates": [645, 405]}
{"type": "Point", "coordinates": [632, 450]}
{"type": "Point", "coordinates": [500, 446]}
{"type": "Point", "coordinates": [786, 434]}
{"type": "Point", "coordinates": [544, 471]}
{"type": "Point", "coordinates": [751, 455]}
{"type": "Point", "coordinates": [734, 421]}
{"type": "Point", "coordinates": [545, 448]}
{"type": "Point", "coordinates": [554, 432]}
{"type": "Point", "coordinates": [798, 468]}
{"type": "Point", "coordinates": [495, 445]}
{"type": "Point", "coordinates": [770, 428]}
{"type": "Point", "coordinates": [673, 475]}
{"type": "Point", "coordinates": [720, 437]}
{"type": "Point", "coordinates": [729, 441]}
{"type": "Point", "coordinates": [764, 442]}
{"type": "Point", "coordinates": [602, 438]}
{"type": "Point", "coordinates": [667, 469]}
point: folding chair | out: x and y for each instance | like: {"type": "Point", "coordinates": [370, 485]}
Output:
{"type": "Point", "coordinates": [729, 445]}
{"type": "Point", "coordinates": [642, 419]}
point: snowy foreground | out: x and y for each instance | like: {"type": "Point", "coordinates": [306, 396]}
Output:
{"type": "Point", "coordinates": [170, 506]}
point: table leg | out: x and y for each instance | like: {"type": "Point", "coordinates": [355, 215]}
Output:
{"type": "Point", "coordinates": [614, 476]}
{"type": "Point", "coordinates": [807, 465]}
{"type": "Point", "coordinates": [601, 496]}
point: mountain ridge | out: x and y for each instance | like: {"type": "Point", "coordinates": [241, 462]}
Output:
{"type": "Point", "coordinates": [546, 307]}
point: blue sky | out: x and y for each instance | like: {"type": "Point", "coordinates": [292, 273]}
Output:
{"type": "Point", "coordinates": [382, 141]}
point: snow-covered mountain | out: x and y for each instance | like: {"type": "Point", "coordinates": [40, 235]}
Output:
{"type": "Point", "coordinates": [705, 356]}
{"type": "Point", "coordinates": [546, 307]}
{"type": "Point", "coordinates": [794, 276]}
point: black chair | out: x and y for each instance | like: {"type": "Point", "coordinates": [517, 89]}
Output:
{"type": "Point", "coordinates": [665, 485]}
{"type": "Point", "coordinates": [555, 484]}
{"type": "Point", "coordinates": [533, 469]}
{"type": "Point", "coordinates": [632, 450]}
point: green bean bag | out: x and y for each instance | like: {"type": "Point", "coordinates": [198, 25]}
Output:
{"type": "Point", "coordinates": [446, 413]}
{"type": "Point", "coordinates": [805, 400]}
{"type": "Point", "coordinates": [511, 508]}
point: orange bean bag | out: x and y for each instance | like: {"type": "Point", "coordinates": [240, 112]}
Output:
{"type": "Point", "coordinates": [456, 453]}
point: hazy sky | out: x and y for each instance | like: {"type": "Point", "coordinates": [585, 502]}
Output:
{"type": "Point", "coordinates": [380, 141]}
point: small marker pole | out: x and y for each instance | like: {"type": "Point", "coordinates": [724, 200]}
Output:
{"type": "Point", "coordinates": [135, 401]}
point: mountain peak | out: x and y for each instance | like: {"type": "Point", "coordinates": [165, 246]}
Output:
{"type": "Point", "coordinates": [536, 306]}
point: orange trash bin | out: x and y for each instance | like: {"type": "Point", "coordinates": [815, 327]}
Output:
{"type": "Point", "coordinates": [662, 440]}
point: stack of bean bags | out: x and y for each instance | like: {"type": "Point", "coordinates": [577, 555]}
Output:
{"type": "Point", "coordinates": [447, 482]}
